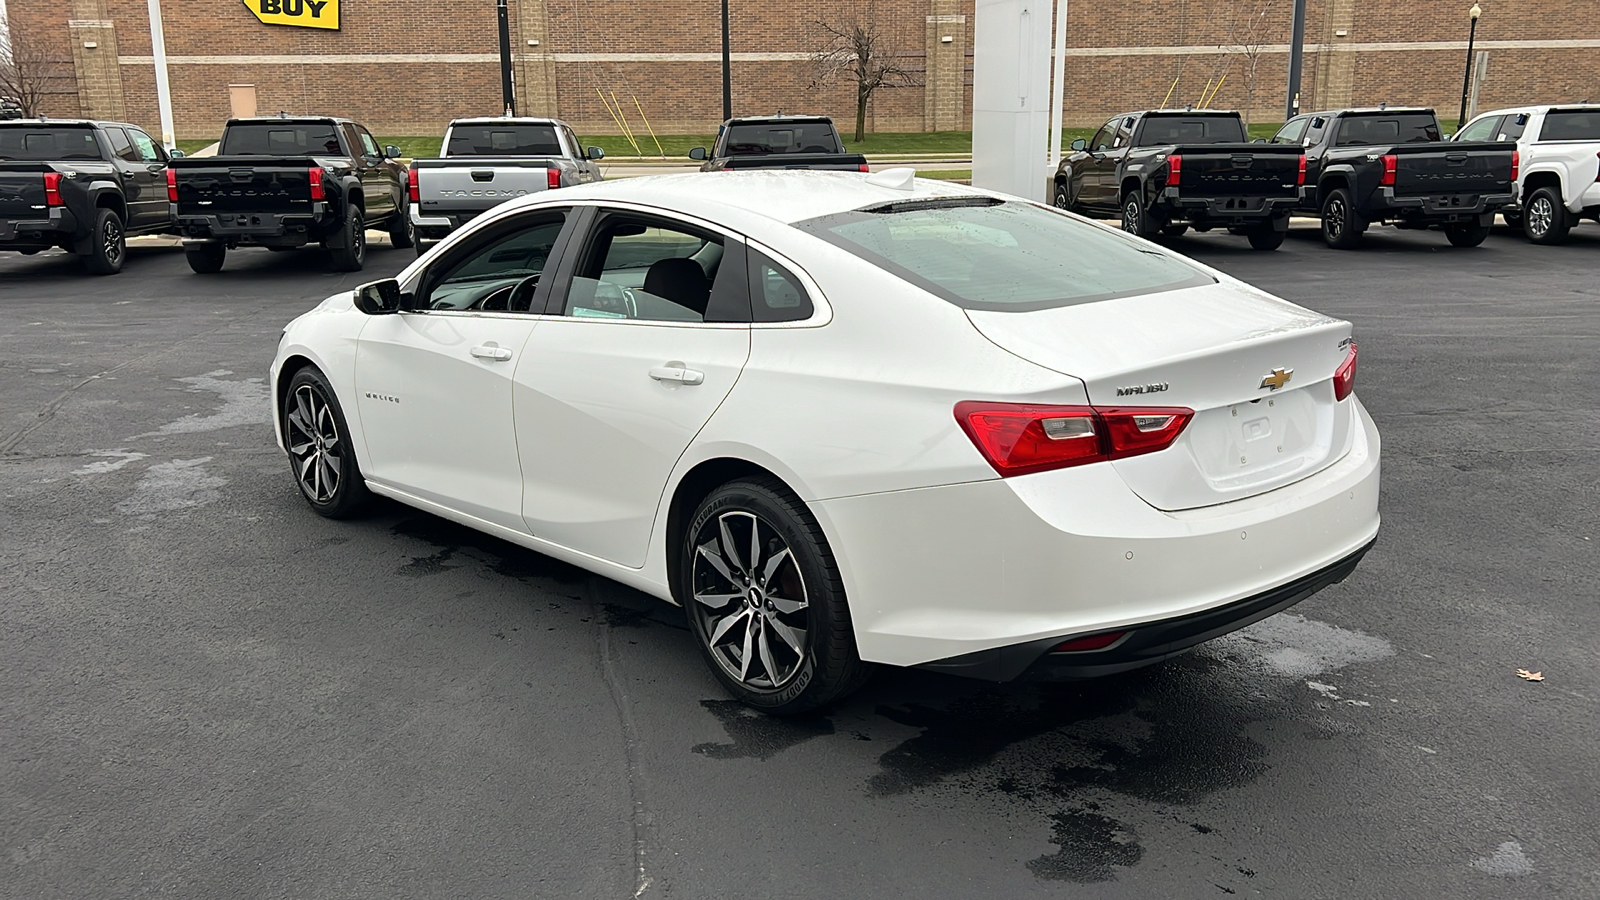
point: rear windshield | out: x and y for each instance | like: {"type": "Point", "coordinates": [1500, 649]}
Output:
{"type": "Point", "coordinates": [985, 254]}
{"type": "Point", "coordinates": [40, 144]}
{"type": "Point", "coordinates": [1383, 128]}
{"type": "Point", "coordinates": [1571, 125]}
{"type": "Point", "coordinates": [275, 139]}
{"type": "Point", "coordinates": [503, 140]}
{"type": "Point", "coordinates": [1160, 130]}
{"type": "Point", "coordinates": [787, 137]}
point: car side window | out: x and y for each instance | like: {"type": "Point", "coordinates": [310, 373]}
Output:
{"type": "Point", "coordinates": [1102, 138]}
{"type": "Point", "coordinates": [572, 141]}
{"type": "Point", "coordinates": [498, 273]}
{"type": "Point", "coordinates": [1513, 126]}
{"type": "Point", "coordinates": [121, 147]}
{"type": "Point", "coordinates": [1124, 134]}
{"type": "Point", "coordinates": [369, 147]}
{"type": "Point", "coordinates": [1292, 132]}
{"type": "Point", "coordinates": [146, 146]}
{"type": "Point", "coordinates": [1316, 130]}
{"type": "Point", "coordinates": [1483, 129]}
{"type": "Point", "coordinates": [776, 295]}
{"type": "Point", "coordinates": [649, 268]}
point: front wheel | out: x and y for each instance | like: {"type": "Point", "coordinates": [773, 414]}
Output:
{"type": "Point", "coordinates": [348, 249]}
{"type": "Point", "coordinates": [1266, 237]}
{"type": "Point", "coordinates": [107, 244]}
{"type": "Point", "coordinates": [1467, 235]}
{"type": "Point", "coordinates": [1060, 199]}
{"type": "Point", "coordinates": [1174, 231]}
{"type": "Point", "coordinates": [765, 600]}
{"type": "Point", "coordinates": [1545, 220]}
{"type": "Point", "coordinates": [320, 452]}
{"type": "Point", "coordinates": [206, 258]}
{"type": "Point", "coordinates": [1341, 224]}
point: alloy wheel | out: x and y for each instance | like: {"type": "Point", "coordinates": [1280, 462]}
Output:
{"type": "Point", "coordinates": [111, 241]}
{"type": "Point", "coordinates": [313, 438]}
{"type": "Point", "coordinates": [750, 599]}
{"type": "Point", "coordinates": [1541, 214]}
{"type": "Point", "coordinates": [1130, 216]}
{"type": "Point", "coordinates": [1335, 217]}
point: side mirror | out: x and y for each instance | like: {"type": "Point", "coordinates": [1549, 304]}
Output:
{"type": "Point", "coordinates": [1258, 141]}
{"type": "Point", "coordinates": [1080, 144]}
{"type": "Point", "coordinates": [697, 153]}
{"type": "Point", "coordinates": [378, 297]}
{"type": "Point", "coordinates": [391, 151]}
{"type": "Point", "coordinates": [176, 154]}
{"type": "Point", "coordinates": [1448, 137]}
{"type": "Point", "coordinates": [595, 153]}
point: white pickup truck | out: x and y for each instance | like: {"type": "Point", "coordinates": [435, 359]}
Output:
{"type": "Point", "coordinates": [1559, 180]}
{"type": "Point", "coordinates": [485, 162]}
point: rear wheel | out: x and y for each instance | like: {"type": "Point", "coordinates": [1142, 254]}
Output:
{"type": "Point", "coordinates": [205, 258]}
{"type": "Point", "coordinates": [1174, 230]}
{"type": "Point", "coordinates": [765, 600]}
{"type": "Point", "coordinates": [320, 453]}
{"type": "Point", "coordinates": [348, 248]}
{"type": "Point", "coordinates": [1266, 237]}
{"type": "Point", "coordinates": [1545, 220]}
{"type": "Point", "coordinates": [1134, 218]}
{"type": "Point", "coordinates": [1513, 220]}
{"type": "Point", "coordinates": [1466, 235]}
{"type": "Point", "coordinates": [402, 234]}
{"type": "Point", "coordinates": [1341, 224]}
{"type": "Point", "coordinates": [107, 245]}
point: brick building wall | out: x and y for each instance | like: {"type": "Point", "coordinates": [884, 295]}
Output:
{"type": "Point", "coordinates": [408, 66]}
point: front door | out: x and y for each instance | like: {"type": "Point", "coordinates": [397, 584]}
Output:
{"type": "Point", "coordinates": [434, 382]}
{"type": "Point", "coordinates": [640, 347]}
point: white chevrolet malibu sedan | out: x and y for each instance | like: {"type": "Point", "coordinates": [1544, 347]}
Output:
{"type": "Point", "coordinates": [845, 419]}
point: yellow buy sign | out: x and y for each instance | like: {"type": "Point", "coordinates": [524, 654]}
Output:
{"type": "Point", "coordinates": [302, 13]}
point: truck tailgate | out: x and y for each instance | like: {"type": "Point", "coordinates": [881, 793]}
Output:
{"type": "Point", "coordinates": [474, 184]}
{"type": "Point", "coordinates": [1453, 168]}
{"type": "Point", "coordinates": [22, 190]}
{"type": "Point", "coordinates": [1232, 170]}
{"type": "Point", "coordinates": [224, 185]}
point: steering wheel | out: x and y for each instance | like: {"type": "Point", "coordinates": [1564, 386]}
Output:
{"type": "Point", "coordinates": [516, 297]}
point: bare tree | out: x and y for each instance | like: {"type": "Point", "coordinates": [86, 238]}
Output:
{"type": "Point", "coordinates": [26, 69]}
{"type": "Point", "coordinates": [856, 52]}
{"type": "Point", "coordinates": [1248, 36]}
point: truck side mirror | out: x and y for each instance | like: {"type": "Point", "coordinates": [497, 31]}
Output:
{"type": "Point", "coordinates": [697, 153]}
{"type": "Point", "coordinates": [595, 153]}
{"type": "Point", "coordinates": [176, 154]}
{"type": "Point", "coordinates": [1080, 144]}
{"type": "Point", "coordinates": [1448, 137]}
{"type": "Point", "coordinates": [391, 151]}
{"type": "Point", "coordinates": [378, 298]}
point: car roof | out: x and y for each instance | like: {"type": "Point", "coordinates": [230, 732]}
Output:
{"type": "Point", "coordinates": [1540, 108]}
{"type": "Point", "coordinates": [506, 120]}
{"type": "Point", "coordinates": [783, 195]}
{"type": "Point", "coordinates": [289, 120]}
{"type": "Point", "coordinates": [1371, 109]}
{"type": "Point", "coordinates": [776, 120]}
{"type": "Point", "coordinates": [72, 122]}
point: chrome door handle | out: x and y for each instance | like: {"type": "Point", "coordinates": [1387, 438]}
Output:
{"type": "Point", "coordinates": [491, 353]}
{"type": "Point", "coordinates": [676, 372]}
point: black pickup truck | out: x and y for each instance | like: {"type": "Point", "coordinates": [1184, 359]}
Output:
{"type": "Point", "coordinates": [778, 142]}
{"type": "Point", "coordinates": [1365, 166]}
{"type": "Point", "coordinates": [1167, 170]}
{"type": "Point", "coordinates": [82, 186]}
{"type": "Point", "coordinates": [286, 182]}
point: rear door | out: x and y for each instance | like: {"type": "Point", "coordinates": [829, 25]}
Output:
{"type": "Point", "coordinates": [646, 333]}
{"type": "Point", "coordinates": [150, 171]}
{"type": "Point", "coordinates": [379, 183]}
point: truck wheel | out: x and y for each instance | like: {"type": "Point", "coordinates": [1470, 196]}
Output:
{"type": "Point", "coordinates": [1513, 220]}
{"type": "Point", "coordinates": [402, 234]}
{"type": "Point", "coordinates": [1135, 220]}
{"type": "Point", "coordinates": [1544, 219]}
{"type": "Point", "coordinates": [106, 246]}
{"type": "Point", "coordinates": [423, 246]}
{"type": "Point", "coordinates": [205, 258]}
{"type": "Point", "coordinates": [349, 248]}
{"type": "Point", "coordinates": [1466, 235]}
{"type": "Point", "coordinates": [1265, 237]}
{"type": "Point", "coordinates": [1341, 224]}
{"type": "Point", "coordinates": [1174, 230]}
{"type": "Point", "coordinates": [1060, 199]}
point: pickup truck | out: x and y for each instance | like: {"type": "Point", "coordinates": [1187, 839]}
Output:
{"type": "Point", "coordinates": [285, 182]}
{"type": "Point", "coordinates": [485, 162]}
{"type": "Point", "coordinates": [1559, 172]}
{"type": "Point", "coordinates": [80, 185]}
{"type": "Point", "coordinates": [1388, 165]}
{"type": "Point", "coordinates": [778, 142]}
{"type": "Point", "coordinates": [1167, 170]}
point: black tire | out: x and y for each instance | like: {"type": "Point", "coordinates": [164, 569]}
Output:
{"type": "Point", "coordinates": [1135, 220]}
{"type": "Point", "coordinates": [348, 249]}
{"type": "Point", "coordinates": [1544, 219]}
{"type": "Point", "coordinates": [1341, 224]}
{"type": "Point", "coordinates": [1266, 237]}
{"type": "Point", "coordinates": [106, 247]}
{"type": "Point", "coordinates": [1060, 198]}
{"type": "Point", "coordinates": [1513, 220]}
{"type": "Point", "coordinates": [422, 246]}
{"type": "Point", "coordinates": [1174, 230]}
{"type": "Point", "coordinates": [1466, 235]}
{"type": "Point", "coordinates": [321, 456]}
{"type": "Point", "coordinates": [402, 234]}
{"type": "Point", "coordinates": [802, 643]}
{"type": "Point", "coordinates": [205, 258]}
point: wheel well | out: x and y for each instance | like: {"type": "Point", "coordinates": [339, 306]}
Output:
{"type": "Point", "coordinates": [1131, 186]}
{"type": "Point", "coordinates": [1328, 186]}
{"type": "Point", "coordinates": [695, 487]}
{"type": "Point", "coordinates": [108, 200]}
{"type": "Point", "coordinates": [357, 199]}
{"type": "Point", "coordinates": [285, 375]}
{"type": "Point", "coordinates": [1542, 179]}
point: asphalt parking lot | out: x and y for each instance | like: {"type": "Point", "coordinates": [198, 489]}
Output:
{"type": "Point", "coordinates": [206, 690]}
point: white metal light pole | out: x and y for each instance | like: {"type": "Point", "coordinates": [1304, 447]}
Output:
{"type": "Point", "coordinates": [158, 50]}
{"type": "Point", "coordinates": [1058, 88]}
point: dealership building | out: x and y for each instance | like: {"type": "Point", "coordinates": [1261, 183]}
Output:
{"type": "Point", "coordinates": [405, 67]}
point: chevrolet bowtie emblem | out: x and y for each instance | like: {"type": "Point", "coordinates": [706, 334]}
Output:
{"type": "Point", "coordinates": [1277, 378]}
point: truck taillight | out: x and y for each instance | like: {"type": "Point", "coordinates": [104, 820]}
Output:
{"type": "Point", "coordinates": [172, 186]}
{"type": "Point", "coordinates": [1174, 170]}
{"type": "Point", "coordinates": [865, 168]}
{"type": "Point", "coordinates": [1301, 178]}
{"type": "Point", "coordinates": [1516, 165]}
{"type": "Point", "coordinates": [1390, 164]}
{"type": "Point", "coordinates": [314, 178]}
{"type": "Point", "coordinates": [1344, 377]}
{"type": "Point", "coordinates": [1018, 438]}
{"type": "Point", "coordinates": [52, 189]}
{"type": "Point", "coordinates": [411, 186]}
{"type": "Point", "coordinates": [552, 178]}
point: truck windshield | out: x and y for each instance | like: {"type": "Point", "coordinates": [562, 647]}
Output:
{"type": "Point", "coordinates": [1571, 125]}
{"type": "Point", "coordinates": [783, 137]}
{"type": "Point", "coordinates": [503, 140]}
{"type": "Point", "coordinates": [1161, 130]}
{"type": "Point", "coordinates": [1379, 129]}
{"type": "Point", "coordinates": [280, 139]}
{"type": "Point", "coordinates": [35, 143]}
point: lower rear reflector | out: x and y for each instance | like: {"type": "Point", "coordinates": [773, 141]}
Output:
{"type": "Point", "coordinates": [1092, 642]}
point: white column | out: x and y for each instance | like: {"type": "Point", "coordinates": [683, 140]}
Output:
{"type": "Point", "coordinates": [1058, 72]}
{"type": "Point", "coordinates": [158, 49]}
{"type": "Point", "coordinates": [1010, 95]}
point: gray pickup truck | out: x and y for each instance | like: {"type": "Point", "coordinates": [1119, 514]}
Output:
{"type": "Point", "coordinates": [485, 162]}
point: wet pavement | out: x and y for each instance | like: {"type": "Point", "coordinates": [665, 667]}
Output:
{"type": "Point", "coordinates": [205, 690]}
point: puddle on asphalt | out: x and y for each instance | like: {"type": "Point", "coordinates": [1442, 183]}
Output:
{"type": "Point", "coordinates": [754, 735]}
{"type": "Point", "coordinates": [502, 557]}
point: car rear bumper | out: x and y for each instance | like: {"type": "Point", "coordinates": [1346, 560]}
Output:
{"type": "Point", "coordinates": [1437, 208]}
{"type": "Point", "coordinates": [1227, 210]}
{"type": "Point", "coordinates": [938, 574]}
{"type": "Point", "coordinates": [254, 228]}
{"type": "Point", "coordinates": [51, 229]}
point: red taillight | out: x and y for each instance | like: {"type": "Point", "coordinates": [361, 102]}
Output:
{"type": "Point", "coordinates": [552, 178]}
{"type": "Point", "coordinates": [864, 168]}
{"type": "Point", "coordinates": [1092, 642]}
{"type": "Point", "coordinates": [1516, 165]}
{"type": "Point", "coordinates": [1301, 179]}
{"type": "Point", "coordinates": [314, 177]}
{"type": "Point", "coordinates": [1390, 164]}
{"type": "Point", "coordinates": [172, 186]}
{"type": "Point", "coordinates": [1018, 438]}
{"type": "Point", "coordinates": [411, 186]}
{"type": "Point", "coordinates": [1344, 377]}
{"type": "Point", "coordinates": [1174, 170]}
{"type": "Point", "coordinates": [52, 189]}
